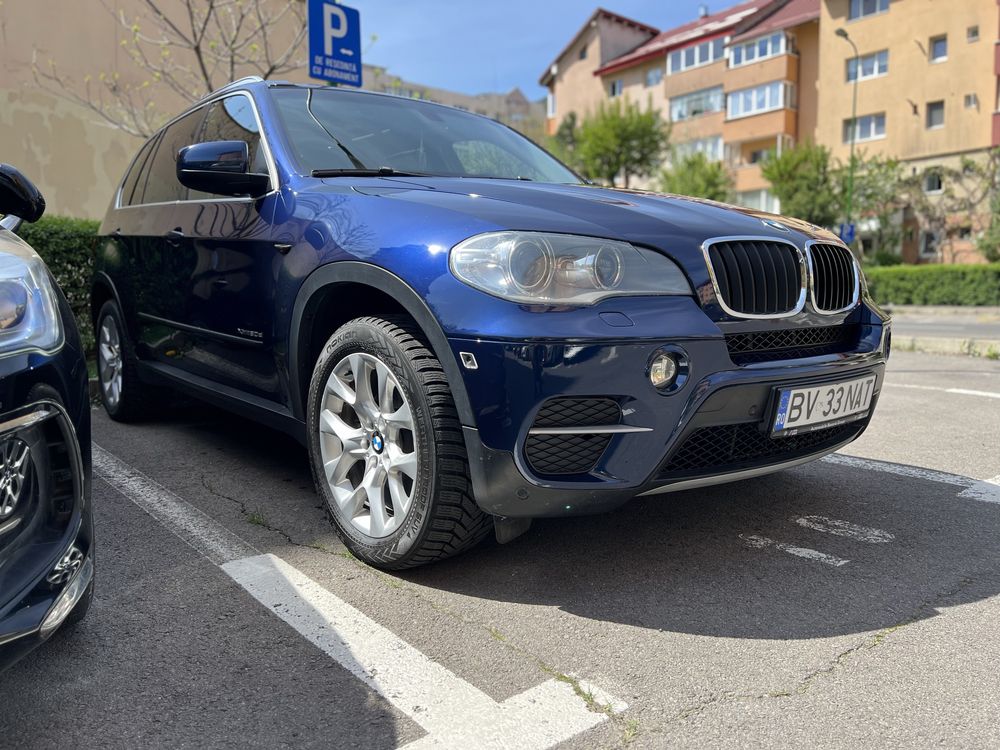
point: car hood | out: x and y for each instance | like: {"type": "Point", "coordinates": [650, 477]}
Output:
{"type": "Point", "coordinates": [674, 224]}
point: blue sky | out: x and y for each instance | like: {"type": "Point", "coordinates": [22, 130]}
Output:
{"type": "Point", "coordinates": [479, 45]}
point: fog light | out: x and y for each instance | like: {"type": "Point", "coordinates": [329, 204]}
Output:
{"type": "Point", "coordinates": [662, 370]}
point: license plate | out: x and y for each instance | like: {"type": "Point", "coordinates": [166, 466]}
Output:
{"type": "Point", "coordinates": [815, 407]}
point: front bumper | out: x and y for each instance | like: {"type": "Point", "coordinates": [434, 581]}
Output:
{"type": "Point", "coordinates": [46, 559]}
{"type": "Point", "coordinates": [717, 398]}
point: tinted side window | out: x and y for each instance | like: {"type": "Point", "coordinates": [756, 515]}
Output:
{"type": "Point", "coordinates": [129, 194]}
{"type": "Point", "coordinates": [232, 119]}
{"type": "Point", "coordinates": [162, 185]}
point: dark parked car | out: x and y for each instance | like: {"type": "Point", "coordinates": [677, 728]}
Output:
{"type": "Point", "coordinates": [464, 334]}
{"type": "Point", "coordinates": [46, 520]}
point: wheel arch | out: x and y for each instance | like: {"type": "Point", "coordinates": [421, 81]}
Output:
{"type": "Point", "coordinates": [102, 289]}
{"type": "Point", "coordinates": [323, 290]}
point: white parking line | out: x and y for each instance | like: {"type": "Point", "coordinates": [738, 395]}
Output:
{"type": "Point", "coordinates": [958, 391]}
{"type": "Point", "coordinates": [454, 713]}
{"type": "Point", "coordinates": [762, 542]}
{"type": "Point", "coordinates": [973, 489]}
{"type": "Point", "coordinates": [845, 528]}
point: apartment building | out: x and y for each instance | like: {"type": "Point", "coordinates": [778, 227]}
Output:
{"type": "Point", "coordinates": [770, 92]}
{"type": "Point", "coordinates": [571, 77]}
{"type": "Point", "coordinates": [762, 76]}
{"type": "Point", "coordinates": [927, 88]}
{"type": "Point", "coordinates": [681, 72]}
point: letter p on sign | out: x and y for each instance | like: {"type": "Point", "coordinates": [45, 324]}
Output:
{"type": "Point", "coordinates": [334, 27]}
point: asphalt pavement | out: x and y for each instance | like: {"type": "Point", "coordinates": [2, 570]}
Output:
{"type": "Point", "coordinates": [847, 602]}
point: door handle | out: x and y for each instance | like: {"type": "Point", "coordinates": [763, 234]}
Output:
{"type": "Point", "coordinates": [220, 282]}
{"type": "Point", "coordinates": [174, 236]}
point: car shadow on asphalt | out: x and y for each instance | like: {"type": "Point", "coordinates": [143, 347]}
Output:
{"type": "Point", "coordinates": [693, 562]}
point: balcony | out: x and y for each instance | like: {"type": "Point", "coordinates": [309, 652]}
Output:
{"type": "Point", "coordinates": [781, 68]}
{"type": "Point", "coordinates": [778, 122]}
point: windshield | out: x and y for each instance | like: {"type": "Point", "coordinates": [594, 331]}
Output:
{"type": "Point", "coordinates": [332, 130]}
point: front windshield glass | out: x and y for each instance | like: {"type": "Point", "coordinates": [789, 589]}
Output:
{"type": "Point", "coordinates": [345, 130]}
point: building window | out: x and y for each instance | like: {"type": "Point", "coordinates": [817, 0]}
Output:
{"type": "Point", "coordinates": [711, 147]}
{"type": "Point", "coordinates": [965, 233]}
{"type": "Point", "coordinates": [757, 49]}
{"type": "Point", "coordinates": [696, 103]}
{"type": "Point", "coordinates": [862, 8]}
{"type": "Point", "coordinates": [696, 55]}
{"type": "Point", "coordinates": [654, 76]}
{"type": "Point", "coordinates": [759, 200]}
{"type": "Point", "coordinates": [928, 244]}
{"type": "Point", "coordinates": [971, 101]}
{"type": "Point", "coordinates": [868, 66]}
{"type": "Point", "coordinates": [550, 104]}
{"type": "Point", "coordinates": [867, 128]}
{"type": "Point", "coordinates": [972, 34]}
{"type": "Point", "coordinates": [765, 98]}
{"type": "Point", "coordinates": [933, 183]}
{"type": "Point", "coordinates": [583, 53]}
{"type": "Point", "coordinates": [939, 48]}
{"type": "Point", "coordinates": [758, 156]}
{"type": "Point", "coordinates": [615, 88]}
{"type": "Point", "coordinates": [935, 115]}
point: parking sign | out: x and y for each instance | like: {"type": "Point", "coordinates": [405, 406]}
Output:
{"type": "Point", "coordinates": [334, 42]}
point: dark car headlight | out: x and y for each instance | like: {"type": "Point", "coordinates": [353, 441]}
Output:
{"type": "Point", "coordinates": [562, 269]}
{"type": "Point", "coordinates": [29, 314]}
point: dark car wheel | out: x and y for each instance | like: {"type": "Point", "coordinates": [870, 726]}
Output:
{"type": "Point", "coordinates": [386, 447]}
{"type": "Point", "coordinates": [125, 397]}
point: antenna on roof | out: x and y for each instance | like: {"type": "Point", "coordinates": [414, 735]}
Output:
{"type": "Point", "coordinates": [703, 10]}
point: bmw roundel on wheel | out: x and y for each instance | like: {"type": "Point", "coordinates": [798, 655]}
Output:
{"type": "Point", "coordinates": [464, 334]}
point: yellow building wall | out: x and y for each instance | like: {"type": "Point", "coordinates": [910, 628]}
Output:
{"type": "Point", "coordinates": [913, 80]}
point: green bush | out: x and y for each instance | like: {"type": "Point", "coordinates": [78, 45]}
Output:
{"type": "Point", "coordinates": [67, 247]}
{"type": "Point", "coordinates": [935, 284]}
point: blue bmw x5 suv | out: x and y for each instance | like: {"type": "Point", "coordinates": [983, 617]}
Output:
{"type": "Point", "coordinates": [462, 332]}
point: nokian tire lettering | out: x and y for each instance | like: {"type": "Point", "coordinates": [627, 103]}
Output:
{"type": "Point", "coordinates": [443, 519]}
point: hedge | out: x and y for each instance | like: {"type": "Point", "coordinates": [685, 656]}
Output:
{"type": "Point", "coordinates": [67, 247]}
{"type": "Point", "coordinates": [936, 284]}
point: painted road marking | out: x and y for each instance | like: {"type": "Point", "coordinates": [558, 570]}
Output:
{"type": "Point", "coordinates": [762, 542]}
{"type": "Point", "coordinates": [845, 528]}
{"type": "Point", "coordinates": [959, 391]}
{"type": "Point", "coordinates": [454, 713]}
{"type": "Point", "coordinates": [973, 489]}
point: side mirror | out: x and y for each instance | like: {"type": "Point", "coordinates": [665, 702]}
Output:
{"type": "Point", "coordinates": [19, 198]}
{"type": "Point", "coordinates": [220, 167]}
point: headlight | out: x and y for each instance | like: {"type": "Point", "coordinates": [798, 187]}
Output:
{"type": "Point", "coordinates": [29, 315]}
{"type": "Point", "coordinates": [562, 269]}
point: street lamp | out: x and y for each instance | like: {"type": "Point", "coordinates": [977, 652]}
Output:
{"type": "Point", "coordinates": [842, 33]}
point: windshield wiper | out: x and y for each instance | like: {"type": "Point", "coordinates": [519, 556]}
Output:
{"type": "Point", "coordinates": [365, 172]}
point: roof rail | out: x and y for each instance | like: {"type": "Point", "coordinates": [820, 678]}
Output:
{"type": "Point", "coordinates": [233, 84]}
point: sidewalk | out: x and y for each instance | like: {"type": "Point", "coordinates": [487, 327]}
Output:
{"type": "Point", "coordinates": [972, 331]}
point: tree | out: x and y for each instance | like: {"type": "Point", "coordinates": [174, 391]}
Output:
{"type": "Point", "coordinates": [698, 177]}
{"type": "Point", "coordinates": [989, 241]}
{"type": "Point", "coordinates": [563, 144]}
{"type": "Point", "coordinates": [963, 193]}
{"type": "Point", "coordinates": [189, 48]}
{"type": "Point", "coordinates": [876, 196]}
{"type": "Point", "coordinates": [802, 178]}
{"type": "Point", "coordinates": [621, 139]}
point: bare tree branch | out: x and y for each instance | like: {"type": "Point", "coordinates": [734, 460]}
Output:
{"type": "Point", "coordinates": [188, 48]}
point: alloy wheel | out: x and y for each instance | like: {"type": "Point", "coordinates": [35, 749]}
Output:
{"type": "Point", "coordinates": [368, 445]}
{"type": "Point", "coordinates": [109, 361]}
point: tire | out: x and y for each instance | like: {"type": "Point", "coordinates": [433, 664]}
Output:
{"type": "Point", "coordinates": [425, 510]}
{"type": "Point", "coordinates": [125, 397]}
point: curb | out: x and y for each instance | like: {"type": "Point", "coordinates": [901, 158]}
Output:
{"type": "Point", "coordinates": [988, 348]}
